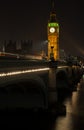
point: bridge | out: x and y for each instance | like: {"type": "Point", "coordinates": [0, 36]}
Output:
{"type": "Point", "coordinates": [34, 84]}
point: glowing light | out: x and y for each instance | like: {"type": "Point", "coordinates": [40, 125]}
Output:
{"type": "Point", "coordinates": [62, 67]}
{"type": "Point", "coordinates": [83, 76]}
{"type": "Point", "coordinates": [53, 24]}
{"type": "Point", "coordinates": [22, 72]}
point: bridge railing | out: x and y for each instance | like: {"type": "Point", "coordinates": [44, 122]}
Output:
{"type": "Point", "coordinates": [6, 65]}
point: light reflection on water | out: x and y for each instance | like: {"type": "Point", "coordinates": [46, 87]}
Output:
{"type": "Point", "coordinates": [74, 119]}
{"type": "Point", "coordinates": [64, 123]}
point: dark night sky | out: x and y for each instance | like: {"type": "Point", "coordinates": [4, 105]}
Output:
{"type": "Point", "coordinates": [27, 19]}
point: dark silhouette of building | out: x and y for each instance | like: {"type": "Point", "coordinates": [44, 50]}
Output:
{"type": "Point", "coordinates": [18, 46]}
{"type": "Point", "coordinates": [10, 46]}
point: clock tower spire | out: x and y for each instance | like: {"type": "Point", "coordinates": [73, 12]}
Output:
{"type": "Point", "coordinates": [53, 35]}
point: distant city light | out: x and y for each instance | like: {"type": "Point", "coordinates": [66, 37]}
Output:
{"type": "Point", "coordinates": [22, 72]}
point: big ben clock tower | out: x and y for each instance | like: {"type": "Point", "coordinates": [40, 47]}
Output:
{"type": "Point", "coordinates": [53, 36]}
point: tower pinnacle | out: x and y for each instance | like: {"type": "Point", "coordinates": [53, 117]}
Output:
{"type": "Point", "coordinates": [53, 6]}
{"type": "Point", "coordinates": [53, 13]}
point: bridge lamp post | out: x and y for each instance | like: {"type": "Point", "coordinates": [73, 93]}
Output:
{"type": "Point", "coordinates": [52, 54]}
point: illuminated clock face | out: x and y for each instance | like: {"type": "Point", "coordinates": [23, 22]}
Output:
{"type": "Point", "coordinates": [52, 29]}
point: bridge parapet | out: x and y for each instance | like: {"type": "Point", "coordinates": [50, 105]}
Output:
{"type": "Point", "coordinates": [14, 65]}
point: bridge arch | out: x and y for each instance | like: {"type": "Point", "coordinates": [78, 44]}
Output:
{"type": "Point", "coordinates": [28, 90]}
